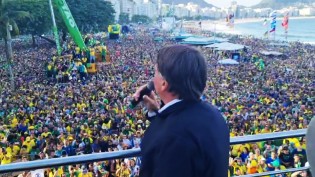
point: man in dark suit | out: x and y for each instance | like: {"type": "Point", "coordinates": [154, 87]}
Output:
{"type": "Point", "coordinates": [187, 137]}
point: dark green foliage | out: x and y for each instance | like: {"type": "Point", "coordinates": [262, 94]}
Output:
{"type": "Point", "coordinates": [124, 18]}
{"type": "Point", "coordinates": [91, 15]}
{"type": "Point", "coordinates": [10, 15]}
{"type": "Point", "coordinates": [141, 18]}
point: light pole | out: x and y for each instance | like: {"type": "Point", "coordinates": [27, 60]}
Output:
{"type": "Point", "coordinates": [55, 28]}
{"type": "Point", "coordinates": [10, 55]}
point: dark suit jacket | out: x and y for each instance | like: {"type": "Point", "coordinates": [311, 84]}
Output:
{"type": "Point", "coordinates": [188, 139]}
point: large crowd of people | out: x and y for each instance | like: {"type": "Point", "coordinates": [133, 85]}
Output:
{"type": "Point", "coordinates": [83, 114]}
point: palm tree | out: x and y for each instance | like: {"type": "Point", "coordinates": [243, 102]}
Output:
{"type": "Point", "coordinates": [8, 19]}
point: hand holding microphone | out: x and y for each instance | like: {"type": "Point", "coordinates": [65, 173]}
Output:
{"type": "Point", "coordinates": [145, 93]}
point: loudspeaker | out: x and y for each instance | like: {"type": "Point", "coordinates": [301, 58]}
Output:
{"type": "Point", "coordinates": [113, 36]}
{"type": "Point", "coordinates": [125, 29]}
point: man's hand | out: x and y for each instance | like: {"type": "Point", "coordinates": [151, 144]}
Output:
{"type": "Point", "coordinates": [149, 101]}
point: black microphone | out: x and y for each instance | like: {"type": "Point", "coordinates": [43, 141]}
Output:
{"type": "Point", "coordinates": [145, 91]}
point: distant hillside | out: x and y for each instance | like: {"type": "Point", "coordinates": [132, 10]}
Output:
{"type": "Point", "coordinates": [278, 4]}
{"type": "Point", "coordinates": [201, 3]}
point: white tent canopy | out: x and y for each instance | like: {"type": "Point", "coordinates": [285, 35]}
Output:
{"type": "Point", "coordinates": [228, 62]}
{"type": "Point", "coordinates": [197, 39]}
{"type": "Point", "coordinates": [226, 46]}
{"type": "Point", "coordinates": [205, 39]}
{"type": "Point", "coordinates": [275, 53]}
{"type": "Point", "coordinates": [218, 39]}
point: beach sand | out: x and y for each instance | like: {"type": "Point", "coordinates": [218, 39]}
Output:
{"type": "Point", "coordinates": [220, 26]}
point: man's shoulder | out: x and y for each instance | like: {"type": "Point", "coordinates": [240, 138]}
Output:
{"type": "Point", "coordinates": [200, 117]}
{"type": "Point", "coordinates": [202, 110]}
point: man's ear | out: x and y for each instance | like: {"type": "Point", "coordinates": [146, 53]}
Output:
{"type": "Point", "coordinates": [165, 85]}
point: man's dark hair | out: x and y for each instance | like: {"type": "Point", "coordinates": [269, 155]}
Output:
{"type": "Point", "coordinates": [185, 70]}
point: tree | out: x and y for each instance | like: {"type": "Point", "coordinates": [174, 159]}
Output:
{"type": "Point", "coordinates": [40, 21]}
{"type": "Point", "coordinates": [8, 19]}
{"type": "Point", "coordinates": [123, 18]}
{"type": "Point", "coordinates": [198, 17]}
{"type": "Point", "coordinates": [141, 18]}
{"type": "Point", "coordinates": [188, 18]}
{"type": "Point", "coordinates": [90, 15]}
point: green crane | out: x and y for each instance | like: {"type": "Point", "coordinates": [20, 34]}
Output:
{"type": "Point", "coordinates": [70, 23]}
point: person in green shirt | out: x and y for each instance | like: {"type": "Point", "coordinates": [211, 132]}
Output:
{"type": "Point", "coordinates": [103, 54]}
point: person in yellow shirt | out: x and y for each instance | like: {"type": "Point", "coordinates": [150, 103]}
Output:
{"type": "Point", "coordinates": [251, 164]}
{"type": "Point", "coordinates": [84, 61]}
{"type": "Point", "coordinates": [294, 141]}
{"type": "Point", "coordinates": [236, 150]}
{"type": "Point", "coordinates": [6, 158]}
{"type": "Point", "coordinates": [14, 122]}
{"type": "Point", "coordinates": [238, 165]}
{"type": "Point", "coordinates": [257, 155]}
{"type": "Point", "coordinates": [83, 106]}
{"type": "Point", "coordinates": [60, 171]}
{"type": "Point", "coordinates": [238, 172]}
{"type": "Point", "coordinates": [16, 149]}
{"type": "Point", "coordinates": [266, 130]}
{"type": "Point", "coordinates": [69, 129]}
{"type": "Point", "coordinates": [13, 152]}
{"type": "Point", "coordinates": [123, 171]}
{"type": "Point", "coordinates": [23, 151]}
{"type": "Point", "coordinates": [29, 144]}
{"type": "Point", "coordinates": [92, 55]}
{"type": "Point", "coordinates": [262, 166]}
{"type": "Point", "coordinates": [52, 172]}
{"type": "Point", "coordinates": [77, 52]}
{"type": "Point", "coordinates": [1, 154]}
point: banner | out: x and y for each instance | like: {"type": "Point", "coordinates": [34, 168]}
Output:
{"type": "Point", "coordinates": [265, 22]}
{"type": "Point", "coordinates": [285, 22]}
{"type": "Point", "coordinates": [70, 23]}
{"type": "Point", "coordinates": [273, 23]}
{"type": "Point", "coordinates": [267, 31]}
{"type": "Point", "coordinates": [230, 20]}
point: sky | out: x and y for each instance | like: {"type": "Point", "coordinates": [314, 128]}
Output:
{"type": "Point", "coordinates": [226, 3]}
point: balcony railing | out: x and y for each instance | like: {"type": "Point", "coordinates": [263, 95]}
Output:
{"type": "Point", "coordinates": [56, 162]}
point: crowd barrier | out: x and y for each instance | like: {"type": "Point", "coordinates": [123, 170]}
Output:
{"type": "Point", "coordinates": [48, 163]}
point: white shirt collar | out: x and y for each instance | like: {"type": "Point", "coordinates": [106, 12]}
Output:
{"type": "Point", "coordinates": [169, 104]}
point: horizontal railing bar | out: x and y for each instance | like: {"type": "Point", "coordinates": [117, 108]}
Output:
{"type": "Point", "coordinates": [56, 162]}
{"type": "Point", "coordinates": [70, 160]}
{"type": "Point", "coordinates": [268, 173]}
{"type": "Point", "coordinates": [267, 136]}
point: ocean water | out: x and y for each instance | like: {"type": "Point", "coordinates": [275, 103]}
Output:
{"type": "Point", "coordinates": [302, 30]}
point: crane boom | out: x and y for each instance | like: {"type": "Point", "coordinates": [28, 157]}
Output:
{"type": "Point", "coordinates": [70, 23]}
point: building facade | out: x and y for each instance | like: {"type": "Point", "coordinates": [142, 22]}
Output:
{"type": "Point", "coordinates": [309, 11]}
